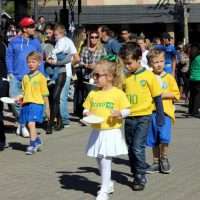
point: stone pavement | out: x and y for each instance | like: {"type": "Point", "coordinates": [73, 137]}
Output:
{"type": "Point", "coordinates": [62, 171]}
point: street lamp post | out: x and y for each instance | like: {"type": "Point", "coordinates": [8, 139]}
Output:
{"type": "Point", "coordinates": [182, 14]}
{"type": "Point", "coordinates": [0, 13]}
{"type": "Point", "coordinates": [35, 9]}
{"type": "Point", "coordinates": [185, 17]}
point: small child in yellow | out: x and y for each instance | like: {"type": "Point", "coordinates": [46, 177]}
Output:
{"type": "Point", "coordinates": [110, 103]}
{"type": "Point", "coordinates": [160, 137]}
{"type": "Point", "coordinates": [34, 96]}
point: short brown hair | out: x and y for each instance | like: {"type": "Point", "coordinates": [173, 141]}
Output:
{"type": "Point", "coordinates": [35, 55]}
{"type": "Point", "coordinates": [154, 53]}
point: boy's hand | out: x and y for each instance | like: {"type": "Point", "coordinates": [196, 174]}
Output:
{"type": "Point", "coordinates": [18, 99]}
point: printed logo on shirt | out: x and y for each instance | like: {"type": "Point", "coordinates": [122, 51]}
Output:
{"type": "Point", "coordinates": [164, 85]}
{"type": "Point", "coordinates": [107, 105]}
{"type": "Point", "coordinates": [35, 83]}
{"type": "Point", "coordinates": [143, 83]}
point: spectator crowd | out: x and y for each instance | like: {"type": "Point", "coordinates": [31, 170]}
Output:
{"type": "Point", "coordinates": [118, 77]}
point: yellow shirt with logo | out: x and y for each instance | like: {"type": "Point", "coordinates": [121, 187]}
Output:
{"type": "Point", "coordinates": [168, 85]}
{"type": "Point", "coordinates": [102, 103]}
{"type": "Point", "coordinates": [141, 87]}
{"type": "Point", "coordinates": [34, 88]}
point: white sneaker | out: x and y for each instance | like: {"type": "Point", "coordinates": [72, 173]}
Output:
{"type": "Point", "coordinates": [18, 130]}
{"type": "Point", "coordinates": [110, 188]}
{"type": "Point", "coordinates": [25, 132]}
{"type": "Point", "coordinates": [102, 196]}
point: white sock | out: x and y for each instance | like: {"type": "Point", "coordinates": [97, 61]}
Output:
{"type": "Point", "coordinates": [105, 164]}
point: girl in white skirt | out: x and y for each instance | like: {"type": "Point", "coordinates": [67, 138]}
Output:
{"type": "Point", "coordinates": [110, 103]}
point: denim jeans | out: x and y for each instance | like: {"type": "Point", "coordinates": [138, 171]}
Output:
{"type": "Point", "coordinates": [64, 101]}
{"type": "Point", "coordinates": [52, 72]}
{"type": "Point", "coordinates": [136, 134]}
{"type": "Point", "coordinates": [15, 89]}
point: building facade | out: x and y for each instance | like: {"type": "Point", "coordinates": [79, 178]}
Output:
{"type": "Point", "coordinates": [148, 16]}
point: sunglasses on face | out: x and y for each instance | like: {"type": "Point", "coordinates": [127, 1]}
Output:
{"type": "Point", "coordinates": [94, 37]}
{"type": "Point", "coordinates": [97, 75]}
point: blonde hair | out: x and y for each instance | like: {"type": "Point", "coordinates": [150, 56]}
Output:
{"type": "Point", "coordinates": [113, 68]}
{"type": "Point", "coordinates": [153, 53]}
{"type": "Point", "coordinates": [60, 28]}
{"type": "Point", "coordinates": [35, 55]}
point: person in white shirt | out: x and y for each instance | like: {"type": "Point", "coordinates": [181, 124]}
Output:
{"type": "Point", "coordinates": [144, 62]}
{"type": "Point", "coordinates": [64, 47]}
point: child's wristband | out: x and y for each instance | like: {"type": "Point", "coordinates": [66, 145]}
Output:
{"type": "Point", "coordinates": [125, 112]}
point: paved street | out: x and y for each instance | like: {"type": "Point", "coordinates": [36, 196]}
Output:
{"type": "Point", "coordinates": [63, 172]}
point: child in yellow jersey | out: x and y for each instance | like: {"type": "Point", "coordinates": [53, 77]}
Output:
{"type": "Point", "coordinates": [110, 103]}
{"type": "Point", "coordinates": [142, 88]}
{"type": "Point", "coordinates": [160, 137]}
{"type": "Point", "coordinates": [34, 96]}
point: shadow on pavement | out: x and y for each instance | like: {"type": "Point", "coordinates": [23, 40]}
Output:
{"type": "Point", "coordinates": [75, 181]}
{"type": "Point", "coordinates": [180, 111]}
{"type": "Point", "coordinates": [18, 146]}
{"type": "Point", "coordinates": [10, 129]}
{"type": "Point", "coordinates": [120, 161]}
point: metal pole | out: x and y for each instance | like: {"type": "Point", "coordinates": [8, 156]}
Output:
{"type": "Point", "coordinates": [186, 31]}
{"type": "Point", "coordinates": [79, 10]}
{"type": "Point", "coordinates": [64, 4]}
{"type": "Point", "coordinates": [36, 9]}
{"type": "Point", "coordinates": [0, 14]}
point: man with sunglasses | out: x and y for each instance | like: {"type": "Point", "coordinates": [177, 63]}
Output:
{"type": "Point", "coordinates": [17, 51]}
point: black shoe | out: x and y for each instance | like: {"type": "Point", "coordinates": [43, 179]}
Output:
{"type": "Point", "coordinates": [139, 182]}
{"type": "Point", "coordinates": [59, 125]}
{"type": "Point", "coordinates": [3, 145]}
{"type": "Point", "coordinates": [48, 128]}
{"type": "Point", "coordinates": [154, 168]}
{"type": "Point", "coordinates": [165, 166]}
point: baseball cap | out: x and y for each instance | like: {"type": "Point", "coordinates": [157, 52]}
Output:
{"type": "Point", "coordinates": [26, 22]}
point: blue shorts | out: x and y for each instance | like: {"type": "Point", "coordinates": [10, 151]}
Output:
{"type": "Point", "coordinates": [31, 113]}
{"type": "Point", "coordinates": [159, 135]}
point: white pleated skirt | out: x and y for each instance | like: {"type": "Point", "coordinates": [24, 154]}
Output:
{"type": "Point", "coordinates": [106, 143]}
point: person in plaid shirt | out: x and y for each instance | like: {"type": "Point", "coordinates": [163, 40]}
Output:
{"type": "Point", "coordinates": [90, 55]}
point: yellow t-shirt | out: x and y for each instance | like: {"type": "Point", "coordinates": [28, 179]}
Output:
{"type": "Point", "coordinates": [101, 103]}
{"type": "Point", "coordinates": [140, 89]}
{"type": "Point", "coordinates": [168, 85]}
{"type": "Point", "coordinates": [34, 88]}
